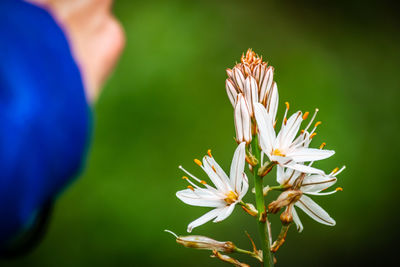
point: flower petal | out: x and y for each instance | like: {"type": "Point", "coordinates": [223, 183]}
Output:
{"type": "Point", "coordinates": [289, 131]}
{"type": "Point", "coordinates": [245, 186]}
{"type": "Point", "coordinates": [265, 127]}
{"type": "Point", "coordinates": [297, 221]}
{"type": "Point", "coordinates": [216, 174]}
{"type": "Point", "coordinates": [231, 91]}
{"type": "Point", "coordinates": [316, 183]}
{"type": "Point", "coordinates": [200, 198]}
{"type": "Point", "coordinates": [272, 102]}
{"type": "Point", "coordinates": [310, 154]}
{"type": "Point", "coordinates": [225, 213]}
{"type": "Point", "coordinates": [205, 218]}
{"type": "Point", "coordinates": [313, 210]}
{"type": "Point", "coordinates": [237, 167]}
{"type": "Point", "coordinates": [304, 168]}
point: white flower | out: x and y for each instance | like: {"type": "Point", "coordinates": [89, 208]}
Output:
{"type": "Point", "coordinates": [254, 79]}
{"type": "Point", "coordinates": [308, 184]}
{"type": "Point", "coordinates": [228, 191]}
{"type": "Point", "coordinates": [285, 149]}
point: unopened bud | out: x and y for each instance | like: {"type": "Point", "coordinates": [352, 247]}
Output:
{"type": "Point", "coordinates": [287, 197]}
{"type": "Point", "coordinates": [203, 242]}
{"type": "Point", "coordinates": [250, 209]}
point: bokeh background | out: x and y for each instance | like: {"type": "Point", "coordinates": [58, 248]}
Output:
{"type": "Point", "coordinates": [166, 104]}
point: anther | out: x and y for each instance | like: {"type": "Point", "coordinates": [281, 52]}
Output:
{"type": "Point", "coordinates": [212, 167]}
{"type": "Point", "coordinates": [198, 162]}
{"type": "Point", "coordinates": [209, 153]}
{"type": "Point", "coordinates": [287, 105]}
{"type": "Point", "coordinates": [302, 131]}
{"type": "Point", "coordinates": [185, 178]}
{"type": "Point", "coordinates": [339, 189]}
{"type": "Point", "coordinates": [335, 170]}
{"type": "Point", "coordinates": [306, 115]}
{"type": "Point", "coordinates": [203, 182]}
{"type": "Point", "coordinates": [322, 145]}
{"type": "Point", "coordinates": [312, 136]}
{"type": "Point", "coordinates": [317, 123]}
{"type": "Point", "coordinates": [190, 187]}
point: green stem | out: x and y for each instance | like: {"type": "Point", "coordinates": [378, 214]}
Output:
{"type": "Point", "coordinates": [268, 260]}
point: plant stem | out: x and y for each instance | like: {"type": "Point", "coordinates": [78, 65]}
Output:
{"type": "Point", "coordinates": [268, 260]}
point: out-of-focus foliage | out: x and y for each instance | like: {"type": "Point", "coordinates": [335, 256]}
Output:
{"type": "Point", "coordinates": [166, 104]}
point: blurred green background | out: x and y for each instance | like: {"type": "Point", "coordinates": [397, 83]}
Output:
{"type": "Point", "coordinates": [166, 104]}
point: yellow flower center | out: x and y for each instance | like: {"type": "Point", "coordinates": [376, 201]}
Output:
{"type": "Point", "coordinates": [231, 197]}
{"type": "Point", "coordinates": [277, 152]}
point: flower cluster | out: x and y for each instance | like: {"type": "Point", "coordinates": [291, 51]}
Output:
{"type": "Point", "coordinates": [264, 145]}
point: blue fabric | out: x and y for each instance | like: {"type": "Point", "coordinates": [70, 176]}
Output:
{"type": "Point", "coordinates": [44, 115]}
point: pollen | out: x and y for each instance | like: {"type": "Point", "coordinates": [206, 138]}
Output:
{"type": "Point", "coordinates": [335, 170]}
{"type": "Point", "coordinates": [185, 178]}
{"type": "Point", "coordinates": [305, 115]}
{"type": "Point", "coordinates": [231, 197]}
{"type": "Point", "coordinates": [317, 124]}
{"type": "Point", "coordinates": [190, 187]}
{"type": "Point", "coordinates": [287, 105]}
{"type": "Point", "coordinates": [322, 145]}
{"type": "Point", "coordinates": [198, 162]}
{"type": "Point", "coordinates": [277, 152]}
{"type": "Point", "coordinates": [209, 153]}
{"type": "Point", "coordinates": [339, 189]}
{"type": "Point", "coordinates": [313, 135]}
{"type": "Point", "coordinates": [203, 182]}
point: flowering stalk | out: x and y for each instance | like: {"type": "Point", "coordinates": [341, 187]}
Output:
{"type": "Point", "coordinates": [260, 205]}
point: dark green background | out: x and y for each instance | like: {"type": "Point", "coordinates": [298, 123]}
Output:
{"type": "Point", "coordinates": [166, 104]}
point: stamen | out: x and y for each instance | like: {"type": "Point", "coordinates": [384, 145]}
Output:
{"type": "Point", "coordinates": [335, 170]}
{"type": "Point", "coordinates": [203, 182]}
{"type": "Point", "coordinates": [339, 189]}
{"type": "Point", "coordinates": [185, 178]}
{"type": "Point", "coordinates": [306, 115]}
{"type": "Point", "coordinates": [172, 233]}
{"type": "Point", "coordinates": [322, 145]}
{"type": "Point", "coordinates": [302, 132]}
{"type": "Point", "coordinates": [191, 175]}
{"type": "Point", "coordinates": [198, 162]}
{"type": "Point", "coordinates": [209, 153]}
{"type": "Point", "coordinates": [317, 124]}
{"type": "Point", "coordinates": [312, 119]}
{"type": "Point", "coordinates": [287, 105]}
{"type": "Point", "coordinates": [190, 187]}
{"type": "Point", "coordinates": [313, 135]}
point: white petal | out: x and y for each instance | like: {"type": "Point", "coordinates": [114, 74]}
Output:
{"type": "Point", "coordinates": [289, 131]}
{"type": "Point", "coordinates": [315, 183]}
{"type": "Point", "coordinates": [310, 154]}
{"type": "Point", "coordinates": [205, 218]}
{"type": "Point", "coordinates": [225, 213]}
{"type": "Point", "coordinates": [251, 93]}
{"type": "Point", "coordinates": [313, 210]}
{"type": "Point", "coordinates": [245, 186]}
{"type": "Point", "coordinates": [297, 221]}
{"type": "Point", "coordinates": [280, 175]}
{"type": "Point", "coordinates": [200, 198]}
{"type": "Point", "coordinates": [237, 167]}
{"type": "Point", "coordinates": [265, 127]}
{"type": "Point", "coordinates": [216, 174]}
{"type": "Point", "coordinates": [304, 168]}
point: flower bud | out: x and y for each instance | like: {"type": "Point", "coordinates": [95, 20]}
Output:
{"type": "Point", "coordinates": [203, 242]}
{"type": "Point", "coordinates": [287, 197]}
{"type": "Point", "coordinates": [242, 121]}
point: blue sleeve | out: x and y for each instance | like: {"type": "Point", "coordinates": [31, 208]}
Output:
{"type": "Point", "coordinates": [44, 115]}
